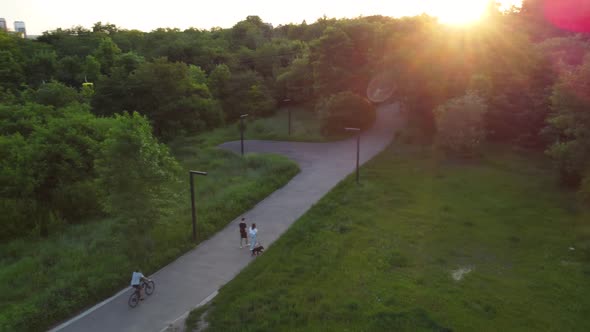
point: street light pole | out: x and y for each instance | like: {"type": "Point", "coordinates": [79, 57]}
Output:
{"type": "Point", "coordinates": [191, 173]}
{"type": "Point", "coordinates": [358, 149]}
{"type": "Point", "coordinates": [242, 132]}
{"type": "Point", "coordinates": [289, 112]}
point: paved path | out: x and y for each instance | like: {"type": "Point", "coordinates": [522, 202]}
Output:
{"type": "Point", "coordinates": [195, 276]}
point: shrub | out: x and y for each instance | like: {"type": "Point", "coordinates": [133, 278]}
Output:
{"type": "Point", "coordinates": [459, 122]}
{"type": "Point", "coordinates": [344, 109]}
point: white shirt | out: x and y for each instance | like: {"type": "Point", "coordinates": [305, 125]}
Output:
{"type": "Point", "coordinates": [136, 278]}
{"type": "Point", "coordinates": [253, 231]}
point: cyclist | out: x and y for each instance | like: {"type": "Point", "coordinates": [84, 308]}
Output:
{"type": "Point", "coordinates": [136, 279]}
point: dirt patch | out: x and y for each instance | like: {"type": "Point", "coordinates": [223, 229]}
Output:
{"type": "Point", "coordinates": [460, 272]}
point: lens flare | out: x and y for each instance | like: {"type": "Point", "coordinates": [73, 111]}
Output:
{"type": "Point", "coordinates": [572, 15]}
{"type": "Point", "coordinates": [380, 88]}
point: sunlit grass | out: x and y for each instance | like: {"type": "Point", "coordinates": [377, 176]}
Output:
{"type": "Point", "coordinates": [380, 256]}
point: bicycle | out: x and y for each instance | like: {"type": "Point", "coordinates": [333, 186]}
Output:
{"type": "Point", "coordinates": [148, 287]}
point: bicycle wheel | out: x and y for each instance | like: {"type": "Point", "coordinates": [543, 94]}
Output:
{"type": "Point", "coordinates": [133, 299]}
{"type": "Point", "coordinates": [149, 287]}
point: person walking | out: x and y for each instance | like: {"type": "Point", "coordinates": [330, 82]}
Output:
{"type": "Point", "coordinates": [253, 232]}
{"type": "Point", "coordinates": [243, 233]}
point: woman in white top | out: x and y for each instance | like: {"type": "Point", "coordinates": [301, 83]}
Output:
{"type": "Point", "coordinates": [253, 232]}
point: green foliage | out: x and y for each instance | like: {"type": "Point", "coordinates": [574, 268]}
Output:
{"type": "Point", "coordinates": [91, 69]}
{"type": "Point", "coordinates": [55, 94]}
{"type": "Point", "coordinates": [172, 95]}
{"type": "Point", "coordinates": [343, 110]}
{"type": "Point", "coordinates": [333, 65]}
{"type": "Point", "coordinates": [70, 70]}
{"type": "Point", "coordinates": [134, 170]}
{"type": "Point", "coordinates": [246, 93]}
{"type": "Point", "coordinates": [379, 256]}
{"type": "Point", "coordinates": [460, 126]}
{"type": "Point", "coordinates": [107, 54]}
{"type": "Point", "coordinates": [41, 67]}
{"type": "Point", "coordinates": [569, 123]}
{"type": "Point", "coordinates": [50, 155]}
{"type": "Point", "coordinates": [250, 33]}
{"type": "Point", "coordinates": [11, 72]}
{"type": "Point", "coordinates": [218, 80]}
{"type": "Point", "coordinates": [58, 265]}
{"type": "Point", "coordinates": [297, 81]}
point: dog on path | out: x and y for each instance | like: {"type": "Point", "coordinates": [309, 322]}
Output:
{"type": "Point", "coordinates": [258, 249]}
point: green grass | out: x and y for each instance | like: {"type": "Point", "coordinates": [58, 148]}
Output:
{"type": "Point", "coordinates": [380, 256]}
{"type": "Point", "coordinates": [305, 127]}
{"type": "Point", "coordinates": [43, 281]}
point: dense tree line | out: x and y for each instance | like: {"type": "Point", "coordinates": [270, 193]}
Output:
{"type": "Point", "coordinates": [525, 79]}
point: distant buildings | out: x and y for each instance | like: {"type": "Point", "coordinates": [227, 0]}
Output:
{"type": "Point", "coordinates": [19, 27]}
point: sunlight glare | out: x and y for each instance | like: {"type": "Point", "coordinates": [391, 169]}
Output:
{"type": "Point", "coordinates": [459, 12]}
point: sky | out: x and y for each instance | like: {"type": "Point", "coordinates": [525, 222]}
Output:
{"type": "Point", "coordinates": [43, 15]}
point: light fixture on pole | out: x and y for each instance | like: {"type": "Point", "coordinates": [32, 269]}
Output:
{"type": "Point", "coordinates": [358, 149]}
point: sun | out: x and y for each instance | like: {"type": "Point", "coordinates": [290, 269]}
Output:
{"type": "Point", "coordinates": [459, 12]}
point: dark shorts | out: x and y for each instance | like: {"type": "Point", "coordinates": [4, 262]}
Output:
{"type": "Point", "coordinates": [243, 235]}
{"type": "Point", "coordinates": [136, 286]}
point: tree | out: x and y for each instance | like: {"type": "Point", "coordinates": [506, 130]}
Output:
{"type": "Point", "coordinates": [569, 123]}
{"type": "Point", "coordinates": [172, 95]}
{"type": "Point", "coordinates": [41, 67]}
{"type": "Point", "coordinates": [342, 110]}
{"type": "Point", "coordinates": [218, 80]}
{"type": "Point", "coordinates": [135, 173]}
{"type": "Point", "coordinates": [17, 182]}
{"type": "Point", "coordinates": [460, 126]}
{"type": "Point", "coordinates": [70, 70]}
{"type": "Point", "coordinates": [107, 54]}
{"type": "Point", "coordinates": [332, 65]}
{"type": "Point", "coordinates": [250, 33]}
{"type": "Point", "coordinates": [297, 81]}
{"type": "Point", "coordinates": [245, 92]}
{"type": "Point", "coordinates": [48, 169]}
{"type": "Point", "coordinates": [91, 69]}
{"type": "Point", "coordinates": [11, 72]}
{"type": "Point", "coordinates": [55, 94]}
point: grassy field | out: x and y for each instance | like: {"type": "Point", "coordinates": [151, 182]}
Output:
{"type": "Point", "coordinates": [43, 281]}
{"type": "Point", "coordinates": [424, 244]}
{"type": "Point", "coordinates": [305, 127]}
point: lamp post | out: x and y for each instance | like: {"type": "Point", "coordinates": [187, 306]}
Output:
{"type": "Point", "coordinates": [191, 173]}
{"type": "Point", "coordinates": [242, 132]}
{"type": "Point", "coordinates": [358, 149]}
{"type": "Point", "coordinates": [289, 112]}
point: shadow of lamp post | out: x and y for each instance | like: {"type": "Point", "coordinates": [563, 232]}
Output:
{"type": "Point", "coordinates": [358, 148]}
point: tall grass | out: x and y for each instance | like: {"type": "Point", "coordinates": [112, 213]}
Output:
{"type": "Point", "coordinates": [43, 281]}
{"type": "Point", "coordinates": [380, 256]}
{"type": "Point", "coordinates": [305, 127]}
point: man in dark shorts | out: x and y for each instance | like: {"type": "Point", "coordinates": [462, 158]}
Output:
{"type": "Point", "coordinates": [243, 233]}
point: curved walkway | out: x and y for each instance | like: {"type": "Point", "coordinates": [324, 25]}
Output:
{"type": "Point", "coordinates": [196, 276]}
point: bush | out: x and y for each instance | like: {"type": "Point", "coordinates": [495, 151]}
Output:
{"type": "Point", "coordinates": [460, 127]}
{"type": "Point", "coordinates": [344, 109]}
